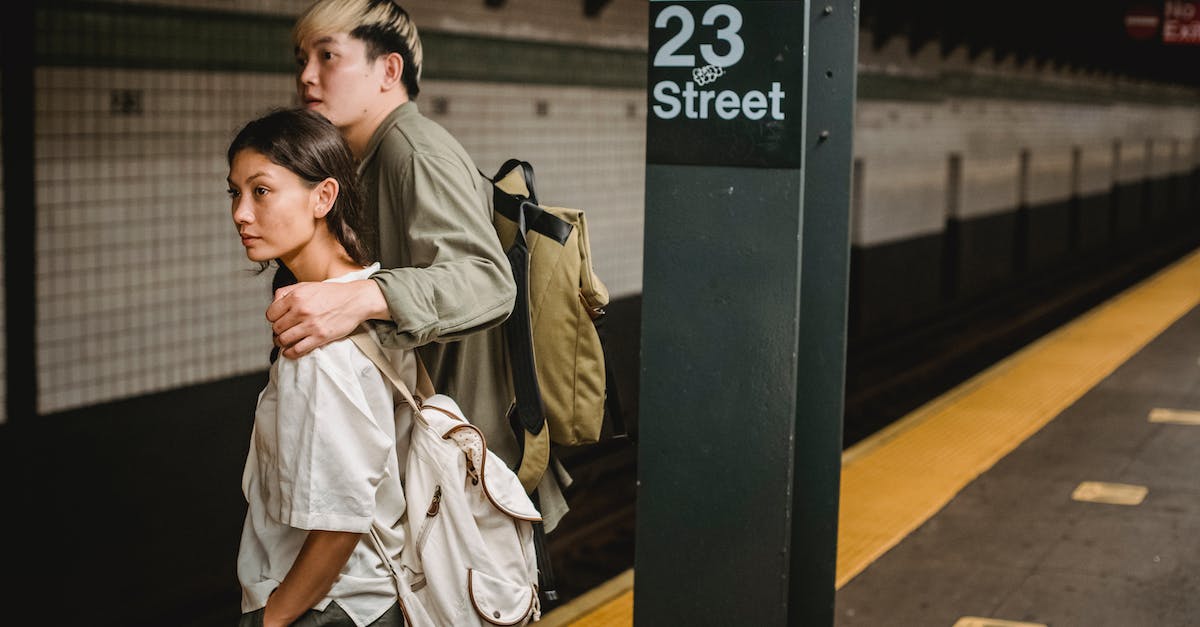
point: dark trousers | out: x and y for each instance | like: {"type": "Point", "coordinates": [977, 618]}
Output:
{"type": "Point", "coordinates": [333, 616]}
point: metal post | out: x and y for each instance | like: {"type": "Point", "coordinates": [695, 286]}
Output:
{"type": "Point", "coordinates": [744, 311]}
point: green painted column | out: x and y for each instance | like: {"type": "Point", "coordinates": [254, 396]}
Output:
{"type": "Point", "coordinates": [749, 146]}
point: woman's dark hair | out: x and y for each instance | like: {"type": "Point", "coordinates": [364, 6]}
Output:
{"type": "Point", "coordinates": [311, 147]}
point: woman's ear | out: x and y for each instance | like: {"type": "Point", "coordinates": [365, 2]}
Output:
{"type": "Point", "coordinates": [326, 193]}
{"type": "Point", "coordinates": [393, 71]}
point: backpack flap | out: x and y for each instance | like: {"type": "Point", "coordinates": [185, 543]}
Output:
{"type": "Point", "coordinates": [498, 483]}
{"type": "Point", "coordinates": [499, 602]}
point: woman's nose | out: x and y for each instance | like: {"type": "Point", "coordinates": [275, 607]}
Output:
{"type": "Point", "coordinates": [241, 212]}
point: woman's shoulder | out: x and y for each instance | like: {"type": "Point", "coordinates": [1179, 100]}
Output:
{"type": "Point", "coordinates": [339, 361]}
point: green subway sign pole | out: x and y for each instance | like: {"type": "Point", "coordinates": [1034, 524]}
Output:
{"type": "Point", "coordinates": [748, 154]}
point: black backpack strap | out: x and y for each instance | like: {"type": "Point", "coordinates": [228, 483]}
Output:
{"type": "Point", "coordinates": [518, 331]}
{"type": "Point", "coordinates": [613, 413]}
{"type": "Point", "coordinates": [547, 587]}
{"type": "Point", "coordinates": [612, 397]}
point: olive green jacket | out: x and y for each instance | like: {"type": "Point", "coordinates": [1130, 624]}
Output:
{"type": "Point", "coordinates": [447, 282]}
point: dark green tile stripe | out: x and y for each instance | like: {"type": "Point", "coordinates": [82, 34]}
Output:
{"type": "Point", "coordinates": [142, 37]}
{"type": "Point", "coordinates": [81, 34]}
{"type": "Point", "coordinates": [473, 58]}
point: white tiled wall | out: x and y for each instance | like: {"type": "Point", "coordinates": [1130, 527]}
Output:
{"type": "Point", "coordinates": [913, 192]}
{"type": "Point", "coordinates": [904, 146]}
{"type": "Point", "coordinates": [1049, 175]}
{"type": "Point", "coordinates": [141, 282]}
{"type": "Point", "coordinates": [990, 184]}
{"type": "Point", "coordinates": [588, 152]}
{"type": "Point", "coordinates": [1162, 157]}
{"type": "Point", "coordinates": [1132, 161]}
{"type": "Point", "coordinates": [142, 285]}
{"type": "Point", "coordinates": [1095, 168]}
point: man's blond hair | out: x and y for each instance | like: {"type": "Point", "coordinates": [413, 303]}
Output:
{"type": "Point", "coordinates": [382, 25]}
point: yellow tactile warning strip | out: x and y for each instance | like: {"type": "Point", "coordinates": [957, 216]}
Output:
{"type": "Point", "coordinates": [896, 480]}
{"type": "Point", "coordinates": [618, 611]}
{"type": "Point", "coordinates": [1110, 493]}
{"type": "Point", "coordinates": [1175, 416]}
{"type": "Point", "coordinates": [611, 603]}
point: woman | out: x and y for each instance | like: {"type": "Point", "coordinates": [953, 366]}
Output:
{"type": "Point", "coordinates": [322, 477]}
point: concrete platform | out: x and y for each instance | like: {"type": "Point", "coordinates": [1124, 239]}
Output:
{"type": "Point", "coordinates": [1013, 545]}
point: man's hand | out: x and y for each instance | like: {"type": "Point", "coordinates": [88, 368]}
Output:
{"type": "Point", "coordinates": [306, 316]}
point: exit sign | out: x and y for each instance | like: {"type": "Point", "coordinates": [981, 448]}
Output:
{"type": "Point", "coordinates": [1181, 22]}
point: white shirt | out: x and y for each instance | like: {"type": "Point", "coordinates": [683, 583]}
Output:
{"type": "Point", "coordinates": [323, 456]}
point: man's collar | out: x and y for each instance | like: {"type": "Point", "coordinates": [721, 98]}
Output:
{"type": "Point", "coordinates": [408, 108]}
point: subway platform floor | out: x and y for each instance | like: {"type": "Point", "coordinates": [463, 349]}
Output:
{"type": "Point", "coordinates": [1060, 487]}
{"type": "Point", "coordinates": [1028, 542]}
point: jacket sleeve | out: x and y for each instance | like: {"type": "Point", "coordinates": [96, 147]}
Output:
{"type": "Point", "coordinates": [458, 279]}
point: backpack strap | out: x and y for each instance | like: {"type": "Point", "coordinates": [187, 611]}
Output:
{"type": "Point", "coordinates": [528, 413]}
{"type": "Point", "coordinates": [365, 343]}
{"type": "Point", "coordinates": [612, 397]}
{"type": "Point", "coordinates": [514, 198]}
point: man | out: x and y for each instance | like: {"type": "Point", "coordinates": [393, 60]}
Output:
{"type": "Point", "coordinates": [446, 278]}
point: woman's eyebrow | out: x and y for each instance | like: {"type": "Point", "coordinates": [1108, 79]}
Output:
{"type": "Point", "coordinates": [248, 179]}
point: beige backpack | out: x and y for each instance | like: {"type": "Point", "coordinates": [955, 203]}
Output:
{"type": "Point", "coordinates": [469, 556]}
{"type": "Point", "coordinates": [558, 362]}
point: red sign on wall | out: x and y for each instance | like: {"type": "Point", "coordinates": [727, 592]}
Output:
{"type": "Point", "coordinates": [1181, 22]}
{"type": "Point", "coordinates": [1142, 22]}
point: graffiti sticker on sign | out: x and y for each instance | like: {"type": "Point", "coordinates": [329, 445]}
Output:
{"type": "Point", "coordinates": [726, 83]}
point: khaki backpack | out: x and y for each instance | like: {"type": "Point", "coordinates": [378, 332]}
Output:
{"type": "Point", "coordinates": [558, 363]}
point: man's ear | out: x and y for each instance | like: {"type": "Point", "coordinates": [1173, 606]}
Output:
{"type": "Point", "coordinates": [326, 194]}
{"type": "Point", "coordinates": [393, 70]}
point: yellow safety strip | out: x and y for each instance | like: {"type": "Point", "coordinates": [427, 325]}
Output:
{"type": "Point", "coordinates": [610, 603]}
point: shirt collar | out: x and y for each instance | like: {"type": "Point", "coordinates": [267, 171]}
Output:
{"type": "Point", "coordinates": [405, 110]}
{"type": "Point", "coordinates": [356, 275]}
